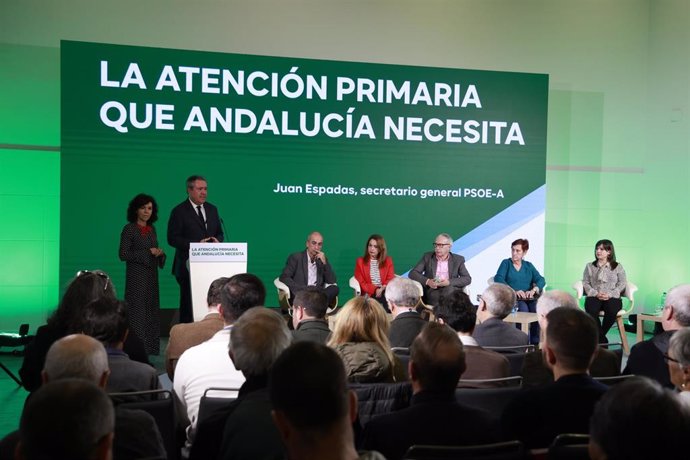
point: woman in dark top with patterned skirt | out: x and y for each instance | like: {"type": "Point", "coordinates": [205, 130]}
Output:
{"type": "Point", "coordinates": [139, 249]}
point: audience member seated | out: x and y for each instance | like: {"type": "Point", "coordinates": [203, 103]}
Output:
{"type": "Point", "coordinates": [208, 364]}
{"type": "Point", "coordinates": [312, 406]}
{"type": "Point", "coordinates": [496, 303]}
{"type": "Point", "coordinates": [309, 316]}
{"type": "Point", "coordinates": [639, 420]}
{"type": "Point", "coordinates": [83, 357]}
{"type": "Point", "coordinates": [678, 359]}
{"type": "Point", "coordinates": [535, 372]}
{"type": "Point", "coordinates": [85, 287]}
{"type": "Point", "coordinates": [186, 335]}
{"type": "Point", "coordinates": [310, 268]}
{"type": "Point", "coordinates": [67, 419]}
{"type": "Point", "coordinates": [374, 270]}
{"type": "Point", "coordinates": [402, 295]}
{"type": "Point", "coordinates": [647, 358]}
{"type": "Point", "coordinates": [245, 429]}
{"type": "Point", "coordinates": [360, 338]}
{"type": "Point", "coordinates": [440, 271]}
{"type": "Point", "coordinates": [536, 416]}
{"type": "Point", "coordinates": [456, 310]}
{"type": "Point", "coordinates": [434, 417]}
{"type": "Point", "coordinates": [106, 320]}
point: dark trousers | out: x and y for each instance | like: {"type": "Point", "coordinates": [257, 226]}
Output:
{"type": "Point", "coordinates": [331, 292]}
{"type": "Point", "coordinates": [530, 306]}
{"type": "Point", "coordinates": [610, 308]}
{"type": "Point", "coordinates": [433, 296]}
{"type": "Point", "coordinates": [186, 312]}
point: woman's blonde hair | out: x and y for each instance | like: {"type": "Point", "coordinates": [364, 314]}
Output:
{"type": "Point", "coordinates": [362, 319]}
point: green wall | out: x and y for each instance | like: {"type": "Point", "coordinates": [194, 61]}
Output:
{"type": "Point", "coordinates": [618, 140]}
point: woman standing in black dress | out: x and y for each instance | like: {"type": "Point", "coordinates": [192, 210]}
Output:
{"type": "Point", "coordinates": [139, 249]}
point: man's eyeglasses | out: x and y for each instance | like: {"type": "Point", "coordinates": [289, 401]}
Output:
{"type": "Point", "coordinates": [97, 273]}
{"type": "Point", "coordinates": [291, 310]}
{"type": "Point", "coordinates": [440, 245]}
{"type": "Point", "coordinates": [667, 358]}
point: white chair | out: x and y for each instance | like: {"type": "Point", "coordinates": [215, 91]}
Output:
{"type": "Point", "coordinates": [354, 284]}
{"type": "Point", "coordinates": [629, 293]}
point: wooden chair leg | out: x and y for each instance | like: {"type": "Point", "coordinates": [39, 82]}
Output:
{"type": "Point", "coordinates": [624, 337]}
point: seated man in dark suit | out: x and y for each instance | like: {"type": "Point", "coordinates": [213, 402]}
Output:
{"type": "Point", "coordinates": [106, 320]}
{"type": "Point", "coordinates": [312, 406]}
{"type": "Point", "coordinates": [535, 372]}
{"type": "Point", "coordinates": [496, 303]}
{"type": "Point", "coordinates": [310, 268]}
{"type": "Point", "coordinates": [309, 316]}
{"type": "Point", "coordinates": [434, 417]}
{"type": "Point", "coordinates": [402, 296]}
{"type": "Point", "coordinates": [244, 429]}
{"type": "Point", "coordinates": [536, 416]}
{"type": "Point", "coordinates": [647, 358]}
{"type": "Point", "coordinates": [85, 428]}
{"type": "Point", "coordinates": [440, 271]}
{"type": "Point", "coordinates": [186, 335]}
{"type": "Point", "coordinates": [457, 311]}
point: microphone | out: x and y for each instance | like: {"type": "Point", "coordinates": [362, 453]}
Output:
{"type": "Point", "coordinates": [222, 226]}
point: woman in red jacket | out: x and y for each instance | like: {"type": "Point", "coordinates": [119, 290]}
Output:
{"type": "Point", "coordinates": [375, 269]}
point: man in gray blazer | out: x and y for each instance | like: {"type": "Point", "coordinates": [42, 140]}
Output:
{"type": "Point", "coordinates": [496, 303]}
{"type": "Point", "coordinates": [440, 271]}
{"type": "Point", "coordinates": [310, 268]}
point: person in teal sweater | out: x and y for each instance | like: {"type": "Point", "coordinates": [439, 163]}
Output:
{"type": "Point", "coordinates": [525, 280]}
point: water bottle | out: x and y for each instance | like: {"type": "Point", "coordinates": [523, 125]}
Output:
{"type": "Point", "coordinates": [662, 302]}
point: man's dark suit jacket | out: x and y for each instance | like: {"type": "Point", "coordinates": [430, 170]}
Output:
{"type": "Point", "coordinates": [495, 332]}
{"type": "Point", "coordinates": [242, 429]}
{"type": "Point", "coordinates": [405, 327]}
{"type": "Point", "coordinates": [431, 419]}
{"type": "Point", "coordinates": [537, 415]}
{"type": "Point", "coordinates": [647, 358]}
{"type": "Point", "coordinates": [312, 330]}
{"type": "Point", "coordinates": [426, 270]}
{"type": "Point", "coordinates": [296, 272]}
{"type": "Point", "coordinates": [536, 373]}
{"type": "Point", "coordinates": [184, 227]}
{"type": "Point", "coordinates": [483, 364]}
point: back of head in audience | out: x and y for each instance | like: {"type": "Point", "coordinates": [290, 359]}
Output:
{"type": "Point", "coordinates": [456, 310]}
{"type": "Point", "coordinates": [402, 292]}
{"type": "Point", "coordinates": [571, 340]}
{"type": "Point", "coordinates": [105, 320]}
{"type": "Point", "coordinates": [676, 312]}
{"type": "Point", "coordinates": [86, 287]}
{"type": "Point", "coordinates": [257, 339]}
{"type": "Point", "coordinates": [241, 293]}
{"type": "Point", "coordinates": [310, 398]}
{"type": "Point", "coordinates": [437, 360]}
{"type": "Point", "coordinates": [313, 301]}
{"type": "Point", "coordinates": [67, 419]}
{"type": "Point", "coordinates": [362, 319]}
{"type": "Point", "coordinates": [639, 419]}
{"type": "Point", "coordinates": [499, 300]}
{"type": "Point", "coordinates": [77, 356]}
{"type": "Point", "coordinates": [550, 300]}
{"type": "Point", "coordinates": [213, 296]}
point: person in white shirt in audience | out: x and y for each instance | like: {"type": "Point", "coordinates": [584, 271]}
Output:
{"type": "Point", "coordinates": [208, 364]}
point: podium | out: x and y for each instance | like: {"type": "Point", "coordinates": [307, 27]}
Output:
{"type": "Point", "coordinates": [208, 262]}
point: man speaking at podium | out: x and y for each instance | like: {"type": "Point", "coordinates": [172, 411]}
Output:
{"type": "Point", "coordinates": [192, 221]}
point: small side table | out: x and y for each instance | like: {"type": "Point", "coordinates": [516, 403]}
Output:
{"type": "Point", "coordinates": [645, 317]}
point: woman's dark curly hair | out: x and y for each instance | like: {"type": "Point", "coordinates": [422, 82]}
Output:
{"type": "Point", "coordinates": [139, 201]}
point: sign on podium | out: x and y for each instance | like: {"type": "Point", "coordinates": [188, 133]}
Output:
{"type": "Point", "coordinates": [210, 261]}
